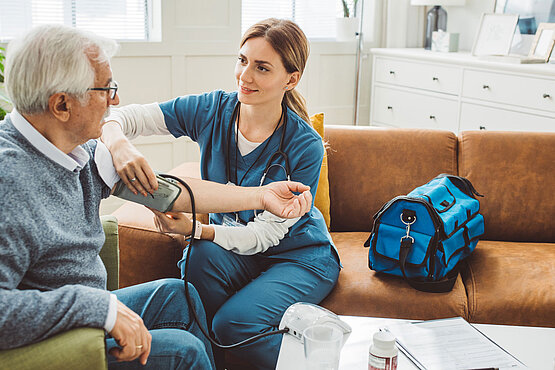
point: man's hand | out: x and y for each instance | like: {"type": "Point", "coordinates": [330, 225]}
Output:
{"type": "Point", "coordinates": [278, 198]}
{"type": "Point", "coordinates": [132, 336]}
{"type": "Point", "coordinates": [172, 222]}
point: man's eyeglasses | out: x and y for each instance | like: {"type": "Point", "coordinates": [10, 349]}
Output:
{"type": "Point", "coordinates": [113, 89]}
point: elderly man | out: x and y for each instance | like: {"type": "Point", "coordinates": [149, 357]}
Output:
{"type": "Point", "coordinates": [52, 178]}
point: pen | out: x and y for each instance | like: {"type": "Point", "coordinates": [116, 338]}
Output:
{"type": "Point", "coordinates": [405, 352]}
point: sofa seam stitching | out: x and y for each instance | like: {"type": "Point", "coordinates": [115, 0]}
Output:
{"type": "Point", "coordinates": [472, 303]}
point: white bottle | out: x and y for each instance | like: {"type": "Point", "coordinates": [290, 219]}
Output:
{"type": "Point", "coordinates": [383, 352]}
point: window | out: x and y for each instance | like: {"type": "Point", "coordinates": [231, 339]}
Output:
{"type": "Point", "coordinates": [128, 20]}
{"type": "Point", "coordinates": [315, 17]}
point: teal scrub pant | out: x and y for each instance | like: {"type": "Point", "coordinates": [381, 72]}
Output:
{"type": "Point", "coordinates": [247, 295]}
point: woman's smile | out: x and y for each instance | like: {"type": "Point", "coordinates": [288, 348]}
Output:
{"type": "Point", "coordinates": [246, 90]}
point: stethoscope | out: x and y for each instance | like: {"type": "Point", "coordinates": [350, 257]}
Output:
{"type": "Point", "coordinates": [274, 157]}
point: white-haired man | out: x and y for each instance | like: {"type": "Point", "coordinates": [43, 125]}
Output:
{"type": "Point", "coordinates": [52, 178]}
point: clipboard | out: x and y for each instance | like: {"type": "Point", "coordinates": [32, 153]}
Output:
{"type": "Point", "coordinates": [450, 344]}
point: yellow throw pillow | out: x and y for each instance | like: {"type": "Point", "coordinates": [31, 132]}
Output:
{"type": "Point", "coordinates": [322, 200]}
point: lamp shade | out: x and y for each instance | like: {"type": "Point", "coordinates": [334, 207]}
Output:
{"type": "Point", "coordinates": [438, 2]}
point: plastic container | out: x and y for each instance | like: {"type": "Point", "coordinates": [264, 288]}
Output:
{"type": "Point", "coordinates": [382, 354]}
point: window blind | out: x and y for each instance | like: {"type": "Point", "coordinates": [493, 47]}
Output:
{"type": "Point", "coordinates": [117, 19]}
{"type": "Point", "coordinates": [315, 17]}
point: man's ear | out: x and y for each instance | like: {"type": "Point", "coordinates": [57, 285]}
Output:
{"type": "Point", "coordinates": [59, 105]}
{"type": "Point", "coordinates": [294, 79]}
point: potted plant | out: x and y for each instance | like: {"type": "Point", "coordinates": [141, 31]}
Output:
{"type": "Point", "coordinates": [3, 97]}
{"type": "Point", "coordinates": [347, 25]}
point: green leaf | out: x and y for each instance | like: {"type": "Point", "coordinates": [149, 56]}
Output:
{"type": "Point", "coordinates": [4, 97]}
{"type": "Point", "coordinates": [345, 8]}
{"type": "Point", "coordinates": [2, 58]}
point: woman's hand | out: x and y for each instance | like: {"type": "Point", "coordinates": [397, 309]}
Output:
{"type": "Point", "coordinates": [172, 222]}
{"type": "Point", "coordinates": [130, 164]}
{"type": "Point", "coordinates": [278, 198]}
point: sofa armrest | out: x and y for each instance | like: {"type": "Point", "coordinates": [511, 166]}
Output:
{"type": "Point", "coordinates": [81, 348]}
{"type": "Point", "coordinates": [110, 251]}
{"type": "Point", "coordinates": [145, 253]}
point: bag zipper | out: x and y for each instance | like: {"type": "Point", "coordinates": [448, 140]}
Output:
{"type": "Point", "coordinates": [468, 187]}
{"type": "Point", "coordinates": [438, 222]}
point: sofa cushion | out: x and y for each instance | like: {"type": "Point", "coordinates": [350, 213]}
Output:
{"type": "Point", "coordinates": [368, 166]}
{"type": "Point", "coordinates": [322, 199]}
{"type": "Point", "coordinates": [363, 292]}
{"type": "Point", "coordinates": [511, 283]}
{"type": "Point", "coordinates": [514, 171]}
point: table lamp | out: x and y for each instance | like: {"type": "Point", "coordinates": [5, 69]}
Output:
{"type": "Point", "coordinates": [436, 17]}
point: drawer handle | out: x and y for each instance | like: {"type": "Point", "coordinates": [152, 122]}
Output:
{"type": "Point", "coordinates": [391, 72]}
{"type": "Point", "coordinates": [485, 87]}
{"type": "Point", "coordinates": [482, 127]}
{"type": "Point", "coordinates": [435, 79]}
{"type": "Point", "coordinates": [546, 96]}
{"type": "Point", "coordinates": [389, 107]}
{"type": "Point", "coordinates": [432, 117]}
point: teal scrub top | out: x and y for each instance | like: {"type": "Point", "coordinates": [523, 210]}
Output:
{"type": "Point", "coordinates": [205, 118]}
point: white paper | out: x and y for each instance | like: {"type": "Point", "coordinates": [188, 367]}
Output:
{"type": "Point", "coordinates": [451, 344]}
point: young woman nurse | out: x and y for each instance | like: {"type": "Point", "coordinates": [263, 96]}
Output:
{"type": "Point", "coordinates": [249, 266]}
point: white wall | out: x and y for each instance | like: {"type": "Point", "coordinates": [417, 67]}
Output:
{"type": "Point", "coordinates": [198, 53]}
{"type": "Point", "coordinates": [198, 50]}
{"type": "Point", "coordinates": [465, 20]}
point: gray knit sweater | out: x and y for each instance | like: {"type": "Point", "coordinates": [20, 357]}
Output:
{"type": "Point", "coordinates": [51, 277]}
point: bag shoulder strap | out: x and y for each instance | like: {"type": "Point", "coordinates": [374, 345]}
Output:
{"type": "Point", "coordinates": [441, 286]}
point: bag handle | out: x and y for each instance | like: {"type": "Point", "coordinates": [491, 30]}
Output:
{"type": "Point", "coordinates": [463, 184]}
{"type": "Point", "coordinates": [441, 286]}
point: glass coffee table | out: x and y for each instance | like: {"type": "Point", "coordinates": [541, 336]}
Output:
{"type": "Point", "coordinates": [533, 346]}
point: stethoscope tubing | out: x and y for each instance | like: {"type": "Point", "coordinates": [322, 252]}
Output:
{"type": "Point", "coordinates": [273, 157]}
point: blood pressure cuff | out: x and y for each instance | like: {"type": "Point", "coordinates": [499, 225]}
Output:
{"type": "Point", "coordinates": [162, 199]}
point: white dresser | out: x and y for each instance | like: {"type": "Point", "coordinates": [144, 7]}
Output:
{"type": "Point", "coordinates": [457, 92]}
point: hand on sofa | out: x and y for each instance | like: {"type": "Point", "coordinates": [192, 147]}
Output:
{"type": "Point", "coordinates": [132, 336]}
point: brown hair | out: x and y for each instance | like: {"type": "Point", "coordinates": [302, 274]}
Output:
{"type": "Point", "coordinates": [290, 42]}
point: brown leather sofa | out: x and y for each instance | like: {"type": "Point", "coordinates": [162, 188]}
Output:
{"type": "Point", "coordinates": [509, 279]}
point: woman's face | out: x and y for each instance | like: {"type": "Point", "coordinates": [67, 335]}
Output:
{"type": "Point", "coordinates": [261, 76]}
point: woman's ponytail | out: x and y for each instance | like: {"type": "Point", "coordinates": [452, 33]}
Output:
{"type": "Point", "coordinates": [297, 103]}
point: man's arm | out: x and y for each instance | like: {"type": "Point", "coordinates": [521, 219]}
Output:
{"type": "Point", "coordinates": [29, 316]}
{"type": "Point", "coordinates": [277, 198]}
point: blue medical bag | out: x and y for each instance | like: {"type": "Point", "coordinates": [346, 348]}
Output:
{"type": "Point", "coordinates": [424, 235]}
